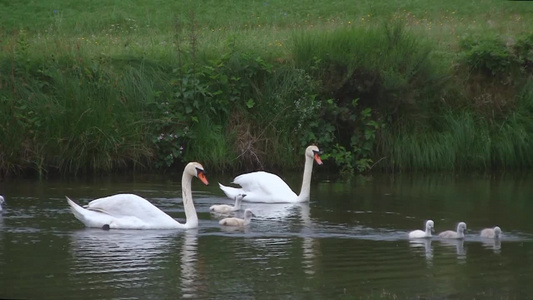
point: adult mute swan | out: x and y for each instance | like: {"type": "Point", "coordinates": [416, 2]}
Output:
{"type": "Point", "coordinates": [459, 234]}
{"type": "Point", "coordinates": [270, 188]}
{"type": "Point", "coordinates": [224, 208]}
{"type": "Point", "coordinates": [491, 233]}
{"type": "Point", "coordinates": [418, 234]}
{"type": "Point", "coordinates": [2, 201]}
{"type": "Point", "coordinates": [128, 211]}
{"type": "Point", "coordinates": [238, 222]}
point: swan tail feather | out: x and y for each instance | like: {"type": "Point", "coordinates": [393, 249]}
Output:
{"type": "Point", "coordinates": [230, 192]}
{"type": "Point", "coordinates": [76, 209]}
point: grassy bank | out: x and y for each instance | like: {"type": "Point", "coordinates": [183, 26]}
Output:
{"type": "Point", "coordinates": [393, 86]}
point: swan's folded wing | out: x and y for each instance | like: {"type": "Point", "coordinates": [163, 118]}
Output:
{"type": "Point", "coordinates": [266, 183]}
{"type": "Point", "coordinates": [127, 205]}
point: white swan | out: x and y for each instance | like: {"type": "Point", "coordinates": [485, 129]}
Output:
{"type": "Point", "coordinates": [267, 187]}
{"type": "Point", "coordinates": [459, 234]}
{"type": "Point", "coordinates": [237, 221]}
{"type": "Point", "coordinates": [491, 233]}
{"type": "Point", "coordinates": [2, 201]}
{"type": "Point", "coordinates": [224, 208]}
{"type": "Point", "coordinates": [128, 211]}
{"type": "Point", "coordinates": [418, 234]}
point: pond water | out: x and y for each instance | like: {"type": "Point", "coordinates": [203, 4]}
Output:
{"type": "Point", "coordinates": [350, 241]}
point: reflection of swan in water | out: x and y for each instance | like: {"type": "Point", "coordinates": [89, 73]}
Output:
{"type": "Point", "coordinates": [423, 243]}
{"type": "Point", "coordinates": [458, 244]}
{"type": "Point", "coordinates": [189, 264]}
{"type": "Point", "coordinates": [278, 211]}
{"type": "Point", "coordinates": [118, 251]}
{"type": "Point", "coordinates": [494, 244]}
{"type": "Point", "coordinates": [128, 259]}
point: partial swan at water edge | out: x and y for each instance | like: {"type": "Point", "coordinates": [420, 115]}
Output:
{"type": "Point", "coordinates": [491, 233]}
{"type": "Point", "coordinates": [2, 201]}
{"type": "Point", "coordinates": [416, 234]}
{"type": "Point", "coordinates": [128, 211]}
{"type": "Point", "coordinates": [459, 234]}
{"type": "Point", "coordinates": [224, 208]}
{"type": "Point", "coordinates": [237, 221]}
{"type": "Point", "coordinates": [270, 188]}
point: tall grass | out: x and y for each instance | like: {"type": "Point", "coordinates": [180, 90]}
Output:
{"type": "Point", "coordinates": [105, 85]}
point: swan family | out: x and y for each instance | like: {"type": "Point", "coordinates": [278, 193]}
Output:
{"type": "Point", "coordinates": [129, 211]}
{"type": "Point", "coordinates": [491, 233]}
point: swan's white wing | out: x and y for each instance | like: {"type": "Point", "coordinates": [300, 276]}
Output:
{"type": "Point", "coordinates": [264, 187]}
{"type": "Point", "coordinates": [130, 206]}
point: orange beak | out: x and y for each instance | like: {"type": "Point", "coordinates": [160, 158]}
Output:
{"type": "Point", "coordinates": [202, 177]}
{"type": "Point", "coordinates": [317, 159]}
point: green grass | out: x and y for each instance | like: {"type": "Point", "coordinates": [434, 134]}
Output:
{"type": "Point", "coordinates": [95, 86]}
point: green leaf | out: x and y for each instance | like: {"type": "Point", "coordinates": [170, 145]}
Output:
{"type": "Point", "coordinates": [250, 103]}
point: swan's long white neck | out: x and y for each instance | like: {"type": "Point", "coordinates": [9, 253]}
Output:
{"type": "Point", "coordinates": [428, 230]}
{"type": "Point", "coordinates": [191, 218]}
{"type": "Point", "coordinates": [306, 182]}
{"type": "Point", "coordinates": [237, 204]}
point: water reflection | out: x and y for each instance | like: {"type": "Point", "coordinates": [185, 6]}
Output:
{"type": "Point", "coordinates": [189, 264]}
{"type": "Point", "coordinates": [458, 244]}
{"type": "Point", "coordinates": [423, 246]}
{"type": "Point", "coordinates": [493, 244]}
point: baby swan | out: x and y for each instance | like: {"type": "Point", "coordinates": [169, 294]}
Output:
{"type": "Point", "coordinates": [450, 234]}
{"type": "Point", "coordinates": [238, 222]}
{"type": "Point", "coordinates": [417, 234]}
{"type": "Point", "coordinates": [224, 209]}
{"type": "Point", "coordinates": [491, 233]}
{"type": "Point", "coordinates": [2, 201]}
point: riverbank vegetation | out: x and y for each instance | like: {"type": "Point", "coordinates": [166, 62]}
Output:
{"type": "Point", "coordinates": [409, 86]}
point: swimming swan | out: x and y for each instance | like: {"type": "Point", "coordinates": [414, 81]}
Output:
{"type": "Point", "coordinates": [450, 234]}
{"type": "Point", "coordinates": [417, 234]}
{"type": "Point", "coordinates": [491, 233]}
{"type": "Point", "coordinates": [2, 201]}
{"type": "Point", "coordinates": [238, 222]}
{"type": "Point", "coordinates": [267, 187]}
{"type": "Point", "coordinates": [224, 209]}
{"type": "Point", "coordinates": [128, 211]}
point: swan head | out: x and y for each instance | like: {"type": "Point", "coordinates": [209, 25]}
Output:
{"type": "Point", "coordinates": [497, 232]}
{"type": "Point", "coordinates": [430, 225]}
{"type": "Point", "coordinates": [248, 214]}
{"type": "Point", "coordinates": [461, 227]}
{"type": "Point", "coordinates": [239, 197]}
{"type": "Point", "coordinates": [313, 152]}
{"type": "Point", "coordinates": [197, 170]}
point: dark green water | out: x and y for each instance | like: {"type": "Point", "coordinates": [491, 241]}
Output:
{"type": "Point", "coordinates": [349, 242]}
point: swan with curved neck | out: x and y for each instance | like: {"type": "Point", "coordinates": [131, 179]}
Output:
{"type": "Point", "coordinates": [270, 188]}
{"type": "Point", "coordinates": [417, 234]}
{"type": "Point", "coordinates": [459, 234]}
{"type": "Point", "coordinates": [128, 211]}
{"type": "Point", "coordinates": [224, 208]}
